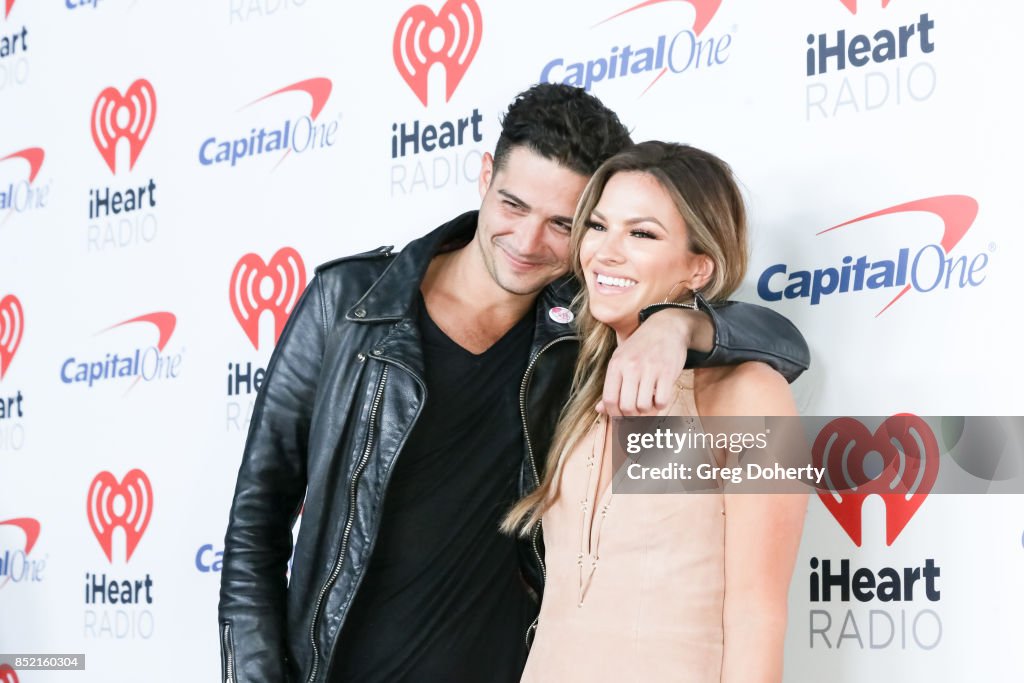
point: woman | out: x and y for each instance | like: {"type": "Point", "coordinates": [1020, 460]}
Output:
{"type": "Point", "coordinates": [658, 587]}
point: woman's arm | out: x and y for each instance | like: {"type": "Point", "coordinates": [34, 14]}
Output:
{"type": "Point", "coordinates": [762, 536]}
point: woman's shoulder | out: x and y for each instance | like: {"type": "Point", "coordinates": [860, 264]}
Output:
{"type": "Point", "coordinates": [750, 388]}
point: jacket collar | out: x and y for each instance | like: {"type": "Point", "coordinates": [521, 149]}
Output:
{"type": "Point", "coordinates": [393, 295]}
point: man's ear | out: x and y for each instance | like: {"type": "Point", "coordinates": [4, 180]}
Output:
{"type": "Point", "coordinates": [486, 173]}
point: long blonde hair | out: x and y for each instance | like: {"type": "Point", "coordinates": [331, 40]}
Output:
{"type": "Point", "coordinates": [704, 191]}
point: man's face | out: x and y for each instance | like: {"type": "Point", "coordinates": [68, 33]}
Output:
{"type": "Point", "coordinates": [525, 219]}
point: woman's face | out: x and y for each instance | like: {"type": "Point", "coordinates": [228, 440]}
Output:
{"type": "Point", "coordinates": [636, 251]}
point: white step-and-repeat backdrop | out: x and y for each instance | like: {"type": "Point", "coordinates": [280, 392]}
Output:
{"type": "Point", "coordinates": [172, 172]}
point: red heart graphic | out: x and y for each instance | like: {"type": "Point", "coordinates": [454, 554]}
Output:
{"type": "Point", "coordinates": [288, 277]}
{"type": "Point", "coordinates": [7, 10]}
{"type": "Point", "coordinates": [7, 674]}
{"type": "Point", "coordinates": [461, 24]}
{"type": "Point", "coordinates": [910, 465]}
{"type": "Point", "coordinates": [139, 104]}
{"type": "Point", "coordinates": [12, 327]}
{"type": "Point", "coordinates": [137, 494]}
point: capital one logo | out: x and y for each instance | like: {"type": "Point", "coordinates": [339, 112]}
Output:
{"type": "Point", "coordinates": [449, 38]}
{"type": "Point", "coordinates": [678, 52]}
{"type": "Point", "coordinates": [21, 196]}
{"type": "Point", "coordinates": [30, 527]}
{"type": "Point", "coordinates": [33, 156]}
{"type": "Point", "coordinates": [12, 326]}
{"type": "Point", "coordinates": [930, 268]}
{"type": "Point", "coordinates": [128, 117]}
{"type": "Point", "coordinates": [149, 363]}
{"type": "Point", "coordinates": [298, 135]}
{"type": "Point", "coordinates": [257, 286]}
{"type": "Point", "coordinates": [898, 462]}
{"type": "Point", "coordinates": [705, 10]}
{"type": "Point", "coordinates": [7, 674]}
{"type": "Point", "coordinates": [125, 504]}
{"type": "Point", "coordinates": [852, 5]}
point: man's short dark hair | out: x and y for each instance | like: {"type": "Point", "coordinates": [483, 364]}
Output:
{"type": "Point", "coordinates": [564, 124]}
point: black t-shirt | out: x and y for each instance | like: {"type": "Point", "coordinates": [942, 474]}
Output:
{"type": "Point", "coordinates": [442, 600]}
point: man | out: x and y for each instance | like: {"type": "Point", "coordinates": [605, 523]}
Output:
{"type": "Point", "coordinates": [409, 402]}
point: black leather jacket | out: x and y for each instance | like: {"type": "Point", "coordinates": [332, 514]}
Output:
{"type": "Point", "coordinates": [342, 392]}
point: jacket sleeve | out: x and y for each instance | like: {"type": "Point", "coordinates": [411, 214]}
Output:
{"type": "Point", "coordinates": [268, 495]}
{"type": "Point", "coordinates": [746, 332]}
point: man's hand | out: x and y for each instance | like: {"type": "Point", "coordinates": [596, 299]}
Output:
{"type": "Point", "coordinates": [643, 370]}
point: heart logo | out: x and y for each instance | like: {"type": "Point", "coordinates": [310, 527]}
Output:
{"type": "Point", "coordinates": [7, 674]}
{"type": "Point", "coordinates": [134, 495]}
{"type": "Point", "coordinates": [31, 528]}
{"type": "Point", "coordinates": [460, 24]}
{"type": "Point", "coordinates": [899, 462]}
{"type": "Point", "coordinates": [257, 286]}
{"type": "Point", "coordinates": [12, 326]}
{"type": "Point", "coordinates": [7, 8]}
{"type": "Point", "coordinates": [129, 116]}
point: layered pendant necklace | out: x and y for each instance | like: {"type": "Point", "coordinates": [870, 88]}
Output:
{"type": "Point", "coordinates": [590, 535]}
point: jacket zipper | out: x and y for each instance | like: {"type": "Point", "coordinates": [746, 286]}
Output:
{"type": "Point", "coordinates": [530, 629]}
{"type": "Point", "coordinates": [522, 403]}
{"type": "Point", "coordinates": [349, 522]}
{"type": "Point", "coordinates": [533, 461]}
{"type": "Point", "coordinates": [229, 656]}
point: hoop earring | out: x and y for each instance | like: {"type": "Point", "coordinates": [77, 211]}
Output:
{"type": "Point", "coordinates": [668, 297]}
{"type": "Point", "coordinates": [693, 301]}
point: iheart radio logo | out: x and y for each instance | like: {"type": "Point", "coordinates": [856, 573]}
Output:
{"type": "Point", "coordinates": [460, 24]}
{"type": "Point", "coordinates": [129, 116]}
{"type": "Point", "coordinates": [852, 5]}
{"type": "Point", "coordinates": [257, 286]}
{"type": "Point", "coordinates": [12, 326]}
{"type": "Point", "coordinates": [127, 504]}
{"type": "Point", "coordinates": [905, 452]}
{"type": "Point", "coordinates": [31, 528]}
{"type": "Point", "coordinates": [7, 8]}
{"type": "Point", "coordinates": [7, 674]}
{"type": "Point", "coordinates": [33, 155]}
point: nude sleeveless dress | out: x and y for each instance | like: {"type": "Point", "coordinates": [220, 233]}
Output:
{"type": "Point", "coordinates": [642, 599]}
